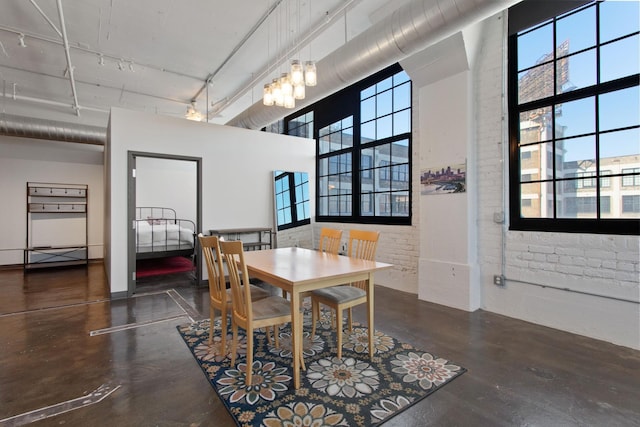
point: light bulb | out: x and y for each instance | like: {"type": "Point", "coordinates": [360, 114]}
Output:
{"type": "Point", "coordinates": [285, 85]}
{"type": "Point", "coordinates": [289, 101]}
{"type": "Point", "coordinates": [267, 95]}
{"type": "Point", "coordinates": [310, 75]}
{"type": "Point", "coordinates": [299, 91]}
{"type": "Point", "coordinates": [276, 91]}
{"type": "Point", "coordinates": [297, 74]}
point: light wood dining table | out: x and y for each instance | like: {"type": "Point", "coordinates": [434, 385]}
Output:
{"type": "Point", "coordinates": [298, 270]}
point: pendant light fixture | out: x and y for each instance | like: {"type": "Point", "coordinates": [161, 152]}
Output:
{"type": "Point", "coordinates": [284, 90]}
{"type": "Point", "coordinates": [299, 91]}
{"type": "Point", "coordinates": [193, 113]}
{"type": "Point", "coordinates": [297, 74]}
{"type": "Point", "coordinates": [267, 95]}
{"type": "Point", "coordinates": [310, 75]}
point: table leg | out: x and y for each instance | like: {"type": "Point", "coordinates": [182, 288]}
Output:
{"type": "Point", "coordinates": [296, 336]}
{"type": "Point", "coordinates": [370, 314]}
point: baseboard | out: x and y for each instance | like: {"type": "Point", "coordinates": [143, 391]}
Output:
{"type": "Point", "coordinates": [7, 267]}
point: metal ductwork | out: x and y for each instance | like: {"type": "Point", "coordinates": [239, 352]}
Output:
{"type": "Point", "coordinates": [27, 127]}
{"type": "Point", "coordinates": [408, 30]}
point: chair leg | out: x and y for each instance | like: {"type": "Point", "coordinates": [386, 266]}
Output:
{"type": "Point", "coordinates": [223, 338]}
{"type": "Point", "coordinates": [339, 331]}
{"type": "Point", "coordinates": [275, 335]}
{"type": "Point", "coordinates": [212, 322]}
{"type": "Point", "coordinates": [315, 315]}
{"type": "Point", "coordinates": [249, 372]}
{"type": "Point", "coordinates": [234, 343]}
{"type": "Point", "coordinates": [349, 315]}
{"type": "Point", "coordinates": [267, 329]}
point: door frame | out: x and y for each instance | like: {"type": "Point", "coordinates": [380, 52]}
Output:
{"type": "Point", "coordinates": [131, 211]}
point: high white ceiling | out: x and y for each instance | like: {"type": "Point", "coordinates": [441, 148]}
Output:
{"type": "Point", "coordinates": [157, 55]}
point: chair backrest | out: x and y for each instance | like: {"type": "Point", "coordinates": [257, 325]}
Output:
{"type": "Point", "coordinates": [217, 285]}
{"type": "Point", "coordinates": [330, 240]}
{"type": "Point", "coordinates": [363, 244]}
{"type": "Point", "coordinates": [233, 253]}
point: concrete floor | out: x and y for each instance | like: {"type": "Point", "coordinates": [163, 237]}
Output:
{"type": "Point", "coordinates": [61, 338]}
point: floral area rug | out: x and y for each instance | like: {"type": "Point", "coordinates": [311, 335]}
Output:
{"type": "Point", "coordinates": [352, 391]}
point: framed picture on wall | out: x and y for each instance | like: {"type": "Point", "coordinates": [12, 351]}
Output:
{"type": "Point", "coordinates": [445, 179]}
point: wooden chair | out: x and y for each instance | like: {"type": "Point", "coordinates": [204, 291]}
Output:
{"type": "Point", "coordinates": [219, 295]}
{"type": "Point", "coordinates": [330, 240]}
{"type": "Point", "coordinates": [329, 243]}
{"type": "Point", "coordinates": [249, 314]}
{"type": "Point", "coordinates": [362, 245]}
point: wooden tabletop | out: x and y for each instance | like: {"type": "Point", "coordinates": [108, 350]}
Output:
{"type": "Point", "coordinates": [299, 266]}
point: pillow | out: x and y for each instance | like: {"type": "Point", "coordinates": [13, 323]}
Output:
{"type": "Point", "coordinates": [155, 221]}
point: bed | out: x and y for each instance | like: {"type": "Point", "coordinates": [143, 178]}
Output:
{"type": "Point", "coordinates": [160, 234]}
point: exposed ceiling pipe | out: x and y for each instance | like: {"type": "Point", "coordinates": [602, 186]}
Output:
{"type": "Point", "coordinates": [407, 30]}
{"type": "Point", "coordinates": [47, 101]}
{"type": "Point", "coordinates": [105, 86]}
{"type": "Point", "coordinates": [28, 127]}
{"type": "Point", "coordinates": [67, 53]}
{"type": "Point", "coordinates": [77, 47]}
{"type": "Point", "coordinates": [44, 15]}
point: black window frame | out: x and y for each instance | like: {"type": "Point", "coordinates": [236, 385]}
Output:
{"type": "Point", "coordinates": [340, 105]}
{"type": "Point", "coordinates": [527, 15]}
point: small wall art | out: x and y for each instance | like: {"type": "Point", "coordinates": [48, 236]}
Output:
{"type": "Point", "coordinates": [445, 179]}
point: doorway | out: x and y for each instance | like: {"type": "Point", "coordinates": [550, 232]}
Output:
{"type": "Point", "coordinates": [164, 210]}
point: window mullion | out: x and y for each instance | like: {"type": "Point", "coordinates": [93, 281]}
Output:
{"type": "Point", "coordinates": [356, 180]}
{"type": "Point", "coordinates": [292, 198]}
{"type": "Point", "coordinates": [553, 126]}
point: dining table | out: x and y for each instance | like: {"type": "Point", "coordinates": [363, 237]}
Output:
{"type": "Point", "coordinates": [299, 270]}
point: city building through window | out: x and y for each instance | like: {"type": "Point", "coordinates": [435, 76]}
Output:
{"type": "Point", "coordinates": [574, 117]}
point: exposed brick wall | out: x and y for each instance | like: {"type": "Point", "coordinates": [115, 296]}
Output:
{"type": "Point", "coordinates": [488, 83]}
{"type": "Point", "coordinates": [593, 264]}
{"type": "Point", "coordinates": [298, 236]}
{"type": "Point", "coordinates": [398, 245]}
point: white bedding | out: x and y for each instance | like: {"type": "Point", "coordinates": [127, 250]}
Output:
{"type": "Point", "coordinates": [161, 235]}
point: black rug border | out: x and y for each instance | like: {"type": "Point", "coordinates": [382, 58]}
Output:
{"type": "Point", "coordinates": [462, 371]}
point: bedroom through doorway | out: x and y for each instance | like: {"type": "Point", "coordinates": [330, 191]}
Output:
{"type": "Point", "coordinates": [164, 210]}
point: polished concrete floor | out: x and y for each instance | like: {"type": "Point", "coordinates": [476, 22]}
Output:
{"type": "Point", "coordinates": [62, 339]}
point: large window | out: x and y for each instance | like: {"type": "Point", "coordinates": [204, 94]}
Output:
{"type": "Point", "coordinates": [301, 126]}
{"type": "Point", "coordinates": [574, 116]}
{"type": "Point", "coordinates": [363, 136]}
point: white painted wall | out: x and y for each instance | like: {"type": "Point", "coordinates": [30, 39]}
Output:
{"type": "Point", "coordinates": [23, 160]}
{"type": "Point", "coordinates": [237, 177]}
{"type": "Point", "coordinates": [445, 262]}
{"type": "Point", "coordinates": [169, 183]}
{"type": "Point", "coordinates": [443, 102]}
